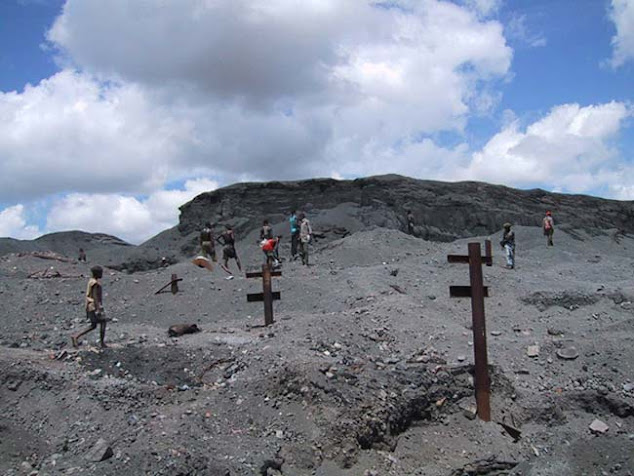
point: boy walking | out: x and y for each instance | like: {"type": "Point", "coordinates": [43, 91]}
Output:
{"type": "Point", "coordinates": [94, 308]}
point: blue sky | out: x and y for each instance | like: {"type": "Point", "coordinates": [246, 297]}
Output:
{"type": "Point", "coordinates": [134, 107]}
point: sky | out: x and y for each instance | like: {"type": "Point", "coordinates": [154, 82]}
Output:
{"type": "Point", "coordinates": [116, 113]}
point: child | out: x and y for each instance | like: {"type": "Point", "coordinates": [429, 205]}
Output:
{"type": "Point", "coordinates": [94, 308]}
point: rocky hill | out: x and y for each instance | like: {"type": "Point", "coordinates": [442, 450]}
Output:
{"type": "Point", "coordinates": [443, 212]}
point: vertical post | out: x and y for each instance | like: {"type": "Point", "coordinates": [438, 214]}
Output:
{"type": "Point", "coordinates": [488, 253]}
{"type": "Point", "coordinates": [174, 284]}
{"type": "Point", "coordinates": [482, 382]}
{"type": "Point", "coordinates": [268, 296]}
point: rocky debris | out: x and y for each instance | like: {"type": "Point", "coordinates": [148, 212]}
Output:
{"type": "Point", "coordinates": [598, 427]}
{"type": "Point", "coordinates": [178, 330]}
{"type": "Point", "coordinates": [532, 351]}
{"type": "Point", "coordinates": [568, 353]}
{"type": "Point", "coordinates": [100, 451]}
{"type": "Point", "coordinates": [352, 378]}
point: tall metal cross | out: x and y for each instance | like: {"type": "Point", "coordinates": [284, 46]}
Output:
{"type": "Point", "coordinates": [477, 292]}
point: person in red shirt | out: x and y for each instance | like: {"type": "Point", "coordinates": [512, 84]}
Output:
{"type": "Point", "coordinates": [269, 247]}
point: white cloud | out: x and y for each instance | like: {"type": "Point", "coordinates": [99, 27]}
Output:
{"type": "Point", "coordinates": [238, 89]}
{"type": "Point", "coordinates": [132, 219]}
{"type": "Point", "coordinates": [569, 149]}
{"type": "Point", "coordinates": [622, 14]}
{"type": "Point", "coordinates": [72, 133]}
{"type": "Point", "coordinates": [484, 7]}
{"type": "Point", "coordinates": [13, 223]}
{"type": "Point", "coordinates": [268, 88]}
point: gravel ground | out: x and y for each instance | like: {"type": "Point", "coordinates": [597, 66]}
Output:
{"type": "Point", "coordinates": [366, 370]}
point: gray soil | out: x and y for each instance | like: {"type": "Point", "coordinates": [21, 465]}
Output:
{"type": "Point", "coordinates": [366, 370]}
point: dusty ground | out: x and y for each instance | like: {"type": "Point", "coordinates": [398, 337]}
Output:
{"type": "Point", "coordinates": [354, 377]}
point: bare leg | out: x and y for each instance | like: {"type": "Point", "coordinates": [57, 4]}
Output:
{"type": "Point", "coordinates": [225, 266]}
{"type": "Point", "coordinates": [75, 338]}
{"type": "Point", "coordinates": [238, 263]}
{"type": "Point", "coordinates": [102, 334]}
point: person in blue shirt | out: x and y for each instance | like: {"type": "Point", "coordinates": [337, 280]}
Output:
{"type": "Point", "coordinates": [294, 234]}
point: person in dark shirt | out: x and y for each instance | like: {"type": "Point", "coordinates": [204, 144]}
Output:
{"type": "Point", "coordinates": [228, 240]}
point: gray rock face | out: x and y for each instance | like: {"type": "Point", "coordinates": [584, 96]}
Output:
{"type": "Point", "coordinates": [442, 211]}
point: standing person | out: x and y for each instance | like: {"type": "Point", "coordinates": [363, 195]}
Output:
{"type": "Point", "coordinates": [305, 232]}
{"type": "Point", "coordinates": [508, 243]}
{"type": "Point", "coordinates": [228, 240]}
{"type": "Point", "coordinates": [266, 232]}
{"type": "Point", "coordinates": [410, 223]}
{"type": "Point", "coordinates": [82, 255]}
{"type": "Point", "coordinates": [207, 245]}
{"type": "Point", "coordinates": [294, 234]}
{"type": "Point", "coordinates": [548, 224]}
{"type": "Point", "coordinates": [94, 308]}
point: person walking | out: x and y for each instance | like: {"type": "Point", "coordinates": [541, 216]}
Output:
{"type": "Point", "coordinates": [548, 225]}
{"type": "Point", "coordinates": [94, 308]}
{"type": "Point", "coordinates": [207, 245]}
{"type": "Point", "coordinates": [508, 243]}
{"type": "Point", "coordinates": [294, 234]}
{"type": "Point", "coordinates": [266, 232]}
{"type": "Point", "coordinates": [305, 234]}
{"type": "Point", "coordinates": [228, 240]}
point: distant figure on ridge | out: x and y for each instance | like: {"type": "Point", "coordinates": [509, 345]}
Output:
{"type": "Point", "coordinates": [207, 245]}
{"type": "Point", "coordinates": [294, 234]}
{"type": "Point", "coordinates": [94, 308]}
{"type": "Point", "coordinates": [548, 224]}
{"type": "Point", "coordinates": [410, 223]}
{"type": "Point", "coordinates": [305, 234]}
{"type": "Point", "coordinates": [228, 240]}
{"type": "Point", "coordinates": [508, 243]}
{"type": "Point", "coordinates": [82, 255]}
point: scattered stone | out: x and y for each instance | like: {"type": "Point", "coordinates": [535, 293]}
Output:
{"type": "Point", "coordinates": [628, 387]}
{"type": "Point", "coordinates": [598, 427]}
{"type": "Point", "coordinates": [555, 332]}
{"type": "Point", "coordinates": [101, 451]}
{"type": "Point", "coordinates": [461, 358]}
{"type": "Point", "coordinates": [532, 351]}
{"type": "Point", "coordinates": [13, 385]}
{"type": "Point", "coordinates": [567, 353]}
{"type": "Point", "coordinates": [496, 333]}
{"type": "Point", "coordinates": [468, 407]}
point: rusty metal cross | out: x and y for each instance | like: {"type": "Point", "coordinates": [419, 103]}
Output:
{"type": "Point", "coordinates": [267, 295]}
{"type": "Point", "coordinates": [477, 292]}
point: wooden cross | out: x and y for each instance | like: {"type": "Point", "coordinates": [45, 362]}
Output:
{"type": "Point", "coordinates": [266, 295]}
{"type": "Point", "coordinates": [173, 283]}
{"type": "Point", "coordinates": [477, 292]}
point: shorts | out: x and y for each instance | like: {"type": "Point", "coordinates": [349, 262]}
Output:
{"type": "Point", "coordinates": [229, 252]}
{"type": "Point", "coordinates": [208, 249]}
{"type": "Point", "coordinates": [94, 318]}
